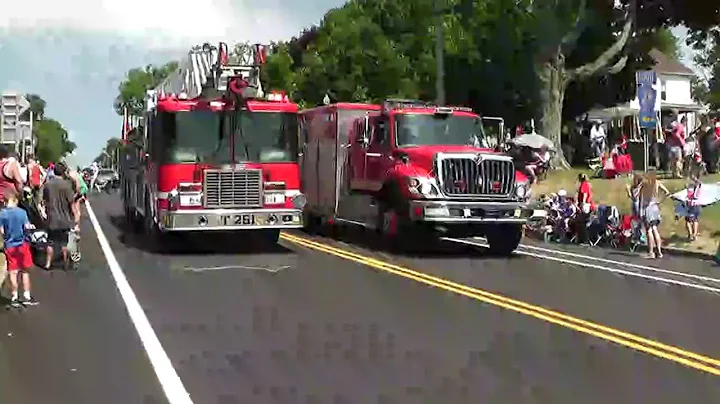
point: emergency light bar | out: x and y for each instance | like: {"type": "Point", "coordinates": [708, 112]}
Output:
{"type": "Point", "coordinates": [393, 103]}
{"type": "Point", "coordinates": [278, 97]}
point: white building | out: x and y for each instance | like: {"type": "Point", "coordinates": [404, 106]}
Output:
{"type": "Point", "coordinates": [674, 100]}
{"type": "Point", "coordinates": [674, 90]}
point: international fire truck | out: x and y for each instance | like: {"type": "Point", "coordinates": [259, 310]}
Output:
{"type": "Point", "coordinates": [407, 169]}
{"type": "Point", "coordinates": [216, 154]}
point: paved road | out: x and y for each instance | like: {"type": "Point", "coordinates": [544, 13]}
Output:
{"type": "Point", "coordinates": [293, 324]}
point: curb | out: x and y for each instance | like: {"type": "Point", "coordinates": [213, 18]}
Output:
{"type": "Point", "coordinates": [688, 253]}
{"type": "Point", "coordinates": [675, 251]}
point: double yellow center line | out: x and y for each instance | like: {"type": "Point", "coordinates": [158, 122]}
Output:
{"type": "Point", "coordinates": [656, 348]}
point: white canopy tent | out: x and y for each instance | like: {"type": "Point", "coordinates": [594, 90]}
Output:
{"type": "Point", "coordinates": [613, 113]}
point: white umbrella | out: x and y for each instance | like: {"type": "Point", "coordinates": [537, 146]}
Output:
{"type": "Point", "coordinates": [533, 141]}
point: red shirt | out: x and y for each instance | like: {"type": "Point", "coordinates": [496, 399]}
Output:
{"type": "Point", "coordinates": [34, 174]}
{"type": "Point", "coordinates": [678, 135]}
{"type": "Point", "coordinates": [585, 190]}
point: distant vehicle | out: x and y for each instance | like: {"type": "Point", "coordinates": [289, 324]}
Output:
{"type": "Point", "coordinates": [106, 180]}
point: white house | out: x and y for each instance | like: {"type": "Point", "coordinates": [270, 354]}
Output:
{"type": "Point", "coordinates": [674, 101]}
{"type": "Point", "coordinates": [674, 90]}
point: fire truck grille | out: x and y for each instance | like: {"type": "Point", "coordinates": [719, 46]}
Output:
{"type": "Point", "coordinates": [466, 177]}
{"type": "Point", "coordinates": [233, 189]}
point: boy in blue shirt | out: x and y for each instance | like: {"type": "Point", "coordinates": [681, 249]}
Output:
{"type": "Point", "coordinates": [13, 223]}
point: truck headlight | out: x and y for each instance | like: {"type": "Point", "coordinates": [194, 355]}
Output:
{"type": "Point", "coordinates": [426, 187]}
{"type": "Point", "coordinates": [521, 191]}
{"type": "Point", "coordinates": [299, 201]}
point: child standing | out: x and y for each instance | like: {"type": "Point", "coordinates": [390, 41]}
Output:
{"type": "Point", "coordinates": [692, 216]}
{"type": "Point", "coordinates": [13, 223]}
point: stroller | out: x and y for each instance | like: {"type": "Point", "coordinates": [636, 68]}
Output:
{"type": "Point", "coordinates": [604, 227]}
{"type": "Point", "coordinates": [630, 233]}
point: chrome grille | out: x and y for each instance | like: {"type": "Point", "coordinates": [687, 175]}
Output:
{"type": "Point", "coordinates": [233, 189]}
{"type": "Point", "coordinates": [465, 176]}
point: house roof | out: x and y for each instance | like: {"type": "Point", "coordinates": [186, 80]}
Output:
{"type": "Point", "coordinates": [667, 65]}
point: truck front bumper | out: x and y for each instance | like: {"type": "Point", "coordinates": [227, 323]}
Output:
{"type": "Point", "coordinates": [470, 212]}
{"type": "Point", "coordinates": [229, 219]}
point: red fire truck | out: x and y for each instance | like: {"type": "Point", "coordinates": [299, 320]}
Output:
{"type": "Point", "coordinates": [407, 168]}
{"type": "Point", "coordinates": [216, 152]}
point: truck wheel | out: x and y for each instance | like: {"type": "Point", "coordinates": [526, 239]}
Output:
{"type": "Point", "coordinates": [271, 236]}
{"type": "Point", "coordinates": [166, 242]}
{"type": "Point", "coordinates": [311, 223]}
{"type": "Point", "coordinates": [160, 242]}
{"type": "Point", "coordinates": [504, 239]}
{"type": "Point", "coordinates": [398, 233]}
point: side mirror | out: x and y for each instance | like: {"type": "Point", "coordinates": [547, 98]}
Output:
{"type": "Point", "coordinates": [364, 139]}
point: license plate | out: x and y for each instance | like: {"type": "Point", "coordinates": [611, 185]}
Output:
{"type": "Point", "coordinates": [190, 200]}
{"type": "Point", "coordinates": [237, 220]}
{"type": "Point", "coordinates": [274, 199]}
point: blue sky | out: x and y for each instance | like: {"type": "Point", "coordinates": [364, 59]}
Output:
{"type": "Point", "coordinates": [74, 53]}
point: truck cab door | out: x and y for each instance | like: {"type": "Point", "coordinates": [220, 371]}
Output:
{"type": "Point", "coordinates": [378, 158]}
{"type": "Point", "coordinates": [359, 142]}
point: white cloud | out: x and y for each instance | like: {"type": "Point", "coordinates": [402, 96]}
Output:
{"type": "Point", "coordinates": [161, 23]}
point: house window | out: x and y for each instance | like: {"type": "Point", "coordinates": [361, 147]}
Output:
{"type": "Point", "coordinates": [663, 91]}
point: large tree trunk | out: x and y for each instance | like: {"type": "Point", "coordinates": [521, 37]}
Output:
{"type": "Point", "coordinates": [553, 82]}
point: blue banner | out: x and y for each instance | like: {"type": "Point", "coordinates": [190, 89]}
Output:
{"type": "Point", "coordinates": [647, 96]}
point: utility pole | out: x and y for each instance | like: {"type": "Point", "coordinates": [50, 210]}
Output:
{"type": "Point", "coordinates": [439, 53]}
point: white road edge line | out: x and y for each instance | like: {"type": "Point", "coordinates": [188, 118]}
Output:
{"type": "Point", "coordinates": [607, 261]}
{"type": "Point", "coordinates": [593, 266]}
{"type": "Point", "coordinates": [159, 360]}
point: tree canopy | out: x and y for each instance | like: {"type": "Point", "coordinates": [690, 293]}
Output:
{"type": "Point", "coordinates": [52, 139]}
{"type": "Point", "coordinates": [131, 91]}
{"type": "Point", "coordinates": [109, 156]}
{"type": "Point", "coordinates": [518, 59]}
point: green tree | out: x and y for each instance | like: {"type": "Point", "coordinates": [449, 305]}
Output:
{"type": "Point", "coordinates": [707, 56]}
{"type": "Point", "coordinates": [277, 73]}
{"type": "Point", "coordinates": [37, 107]}
{"type": "Point", "coordinates": [52, 141]}
{"type": "Point", "coordinates": [110, 154]}
{"type": "Point", "coordinates": [131, 91]}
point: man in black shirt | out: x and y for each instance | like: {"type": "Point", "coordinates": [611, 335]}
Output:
{"type": "Point", "coordinates": [58, 196]}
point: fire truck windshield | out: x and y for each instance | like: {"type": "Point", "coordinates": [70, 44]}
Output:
{"type": "Point", "coordinates": [438, 129]}
{"type": "Point", "coordinates": [267, 137]}
{"type": "Point", "coordinates": [204, 136]}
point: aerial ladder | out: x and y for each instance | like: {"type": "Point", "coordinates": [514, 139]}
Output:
{"type": "Point", "coordinates": [212, 72]}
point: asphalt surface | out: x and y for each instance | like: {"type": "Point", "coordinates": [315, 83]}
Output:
{"type": "Point", "coordinates": [243, 323]}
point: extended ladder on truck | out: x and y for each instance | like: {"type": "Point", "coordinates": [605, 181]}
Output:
{"type": "Point", "coordinates": [210, 71]}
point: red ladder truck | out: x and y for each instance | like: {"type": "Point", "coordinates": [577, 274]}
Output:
{"type": "Point", "coordinates": [409, 168]}
{"type": "Point", "coordinates": [216, 153]}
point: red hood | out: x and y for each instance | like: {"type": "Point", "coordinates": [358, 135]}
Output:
{"type": "Point", "coordinates": [422, 157]}
{"type": "Point", "coordinates": [170, 175]}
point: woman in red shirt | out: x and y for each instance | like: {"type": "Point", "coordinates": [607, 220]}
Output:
{"type": "Point", "coordinates": [584, 195]}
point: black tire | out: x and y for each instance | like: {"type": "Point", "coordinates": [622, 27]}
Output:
{"type": "Point", "coordinates": [159, 241]}
{"type": "Point", "coordinates": [270, 237]}
{"type": "Point", "coordinates": [311, 223]}
{"type": "Point", "coordinates": [504, 239]}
